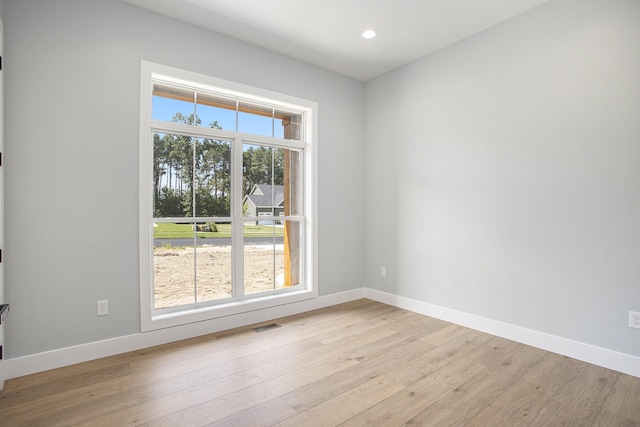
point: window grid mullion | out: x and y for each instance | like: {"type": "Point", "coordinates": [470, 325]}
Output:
{"type": "Point", "coordinates": [194, 151]}
{"type": "Point", "coordinates": [193, 215]}
{"type": "Point", "coordinates": [237, 241]}
{"type": "Point", "coordinates": [203, 132]}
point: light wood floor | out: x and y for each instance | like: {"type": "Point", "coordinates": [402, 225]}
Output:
{"type": "Point", "coordinates": [353, 364]}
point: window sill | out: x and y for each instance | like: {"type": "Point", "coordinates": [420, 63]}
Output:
{"type": "Point", "coordinates": [166, 320]}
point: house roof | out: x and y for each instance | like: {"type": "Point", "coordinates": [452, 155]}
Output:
{"type": "Point", "coordinates": [263, 195]}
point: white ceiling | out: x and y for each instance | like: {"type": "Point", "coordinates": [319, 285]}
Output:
{"type": "Point", "coordinates": [327, 33]}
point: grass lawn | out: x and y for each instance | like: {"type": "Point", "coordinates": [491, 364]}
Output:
{"type": "Point", "coordinates": [168, 230]}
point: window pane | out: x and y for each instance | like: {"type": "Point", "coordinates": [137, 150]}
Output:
{"type": "Point", "coordinates": [288, 125]}
{"type": "Point", "coordinates": [255, 119]}
{"type": "Point", "coordinates": [272, 181]}
{"type": "Point", "coordinates": [172, 104]}
{"type": "Point", "coordinates": [173, 265]}
{"type": "Point", "coordinates": [263, 257]}
{"type": "Point", "coordinates": [213, 178]}
{"type": "Point", "coordinates": [292, 247]}
{"type": "Point", "coordinates": [216, 112]}
{"type": "Point", "coordinates": [172, 175]}
{"type": "Point", "coordinates": [213, 269]}
{"type": "Point", "coordinates": [292, 179]}
{"type": "Point", "coordinates": [261, 192]}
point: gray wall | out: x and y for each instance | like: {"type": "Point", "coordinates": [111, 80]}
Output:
{"type": "Point", "coordinates": [509, 164]}
{"type": "Point", "coordinates": [72, 98]}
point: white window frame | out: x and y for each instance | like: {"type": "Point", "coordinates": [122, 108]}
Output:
{"type": "Point", "coordinates": [151, 319]}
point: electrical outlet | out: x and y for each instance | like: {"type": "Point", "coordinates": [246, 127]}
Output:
{"type": "Point", "coordinates": [634, 319]}
{"type": "Point", "coordinates": [103, 308]}
{"type": "Point", "coordinates": [383, 271]}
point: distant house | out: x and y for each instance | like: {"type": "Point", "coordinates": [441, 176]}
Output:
{"type": "Point", "coordinates": [264, 200]}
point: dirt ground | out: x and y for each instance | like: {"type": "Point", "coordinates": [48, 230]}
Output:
{"type": "Point", "coordinates": [174, 271]}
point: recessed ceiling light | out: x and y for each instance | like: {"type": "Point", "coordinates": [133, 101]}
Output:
{"type": "Point", "coordinates": [369, 34]}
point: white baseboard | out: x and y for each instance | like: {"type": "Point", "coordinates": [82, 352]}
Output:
{"type": "Point", "coordinates": [39, 362]}
{"type": "Point", "coordinates": [33, 363]}
{"type": "Point", "coordinates": [599, 356]}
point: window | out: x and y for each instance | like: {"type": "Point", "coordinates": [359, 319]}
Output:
{"type": "Point", "coordinates": [227, 200]}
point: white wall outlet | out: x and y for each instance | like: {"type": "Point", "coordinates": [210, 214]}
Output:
{"type": "Point", "coordinates": [634, 319]}
{"type": "Point", "coordinates": [383, 271]}
{"type": "Point", "coordinates": [103, 308]}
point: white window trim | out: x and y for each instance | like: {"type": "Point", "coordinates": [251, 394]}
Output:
{"type": "Point", "coordinates": [148, 319]}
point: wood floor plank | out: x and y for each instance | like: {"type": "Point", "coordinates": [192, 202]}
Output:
{"type": "Point", "coordinates": [278, 353]}
{"type": "Point", "coordinates": [64, 374]}
{"type": "Point", "coordinates": [624, 399]}
{"type": "Point", "coordinates": [579, 400]}
{"type": "Point", "coordinates": [607, 419]}
{"type": "Point", "coordinates": [552, 371]}
{"type": "Point", "coordinates": [288, 336]}
{"type": "Point", "coordinates": [403, 406]}
{"type": "Point", "coordinates": [13, 397]}
{"type": "Point", "coordinates": [472, 397]}
{"type": "Point", "coordinates": [185, 355]}
{"type": "Point", "coordinates": [432, 361]}
{"type": "Point", "coordinates": [263, 415]}
{"type": "Point", "coordinates": [492, 351]}
{"type": "Point", "coordinates": [318, 316]}
{"type": "Point", "coordinates": [96, 390]}
{"type": "Point", "coordinates": [438, 416]}
{"type": "Point", "coordinates": [165, 354]}
{"type": "Point", "coordinates": [307, 342]}
{"type": "Point", "coordinates": [403, 333]}
{"type": "Point", "coordinates": [351, 337]}
{"type": "Point", "coordinates": [76, 412]}
{"type": "Point", "coordinates": [306, 320]}
{"type": "Point", "coordinates": [445, 334]}
{"type": "Point", "coordinates": [389, 318]}
{"type": "Point", "coordinates": [515, 407]}
{"type": "Point", "coordinates": [217, 409]}
{"type": "Point", "coordinates": [245, 341]}
{"type": "Point", "coordinates": [182, 367]}
{"type": "Point", "coordinates": [170, 404]}
{"type": "Point", "coordinates": [188, 379]}
{"type": "Point", "coordinates": [371, 365]}
{"type": "Point", "coordinates": [344, 406]}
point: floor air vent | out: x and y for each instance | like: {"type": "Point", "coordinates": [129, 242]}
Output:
{"type": "Point", "coordinates": [265, 327]}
